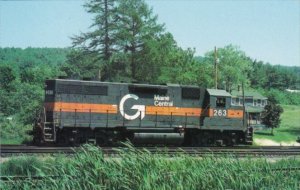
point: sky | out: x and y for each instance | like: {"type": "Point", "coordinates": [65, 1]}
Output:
{"type": "Point", "coordinates": [266, 30]}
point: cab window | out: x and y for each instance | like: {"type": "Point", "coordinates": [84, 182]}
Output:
{"type": "Point", "coordinates": [220, 102]}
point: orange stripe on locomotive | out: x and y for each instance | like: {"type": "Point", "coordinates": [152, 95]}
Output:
{"type": "Point", "coordinates": [150, 110]}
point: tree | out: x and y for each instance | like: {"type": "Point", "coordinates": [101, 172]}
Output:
{"type": "Point", "coordinates": [122, 34]}
{"type": "Point", "coordinates": [271, 115]}
{"type": "Point", "coordinates": [7, 76]}
{"type": "Point", "coordinates": [233, 67]}
{"type": "Point", "coordinates": [137, 26]}
{"type": "Point", "coordinates": [81, 65]}
{"type": "Point", "coordinates": [101, 41]}
{"type": "Point", "coordinates": [154, 58]}
{"type": "Point", "coordinates": [181, 67]}
{"type": "Point", "coordinates": [258, 76]}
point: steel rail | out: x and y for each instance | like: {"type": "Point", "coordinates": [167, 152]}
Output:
{"type": "Point", "coordinates": [197, 151]}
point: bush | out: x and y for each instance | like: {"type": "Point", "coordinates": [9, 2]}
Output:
{"type": "Point", "coordinates": [13, 132]}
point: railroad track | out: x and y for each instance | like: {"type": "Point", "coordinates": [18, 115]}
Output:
{"type": "Point", "coordinates": [8, 150]}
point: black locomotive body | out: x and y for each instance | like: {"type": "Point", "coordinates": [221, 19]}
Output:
{"type": "Point", "coordinates": [79, 111]}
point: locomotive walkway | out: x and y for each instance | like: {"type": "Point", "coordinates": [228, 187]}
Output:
{"type": "Point", "coordinates": [240, 151]}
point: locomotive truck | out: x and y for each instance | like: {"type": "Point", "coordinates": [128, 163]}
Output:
{"type": "Point", "coordinates": [106, 113]}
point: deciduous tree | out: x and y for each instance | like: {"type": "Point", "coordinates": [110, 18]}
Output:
{"type": "Point", "coordinates": [233, 66]}
{"type": "Point", "coordinates": [271, 115]}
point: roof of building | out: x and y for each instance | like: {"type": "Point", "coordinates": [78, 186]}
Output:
{"type": "Point", "coordinates": [216, 92]}
{"type": "Point", "coordinates": [252, 109]}
{"type": "Point", "coordinates": [253, 94]}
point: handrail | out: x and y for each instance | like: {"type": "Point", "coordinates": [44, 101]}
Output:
{"type": "Point", "coordinates": [90, 114]}
{"type": "Point", "coordinates": [113, 111]}
{"type": "Point", "coordinates": [156, 118]}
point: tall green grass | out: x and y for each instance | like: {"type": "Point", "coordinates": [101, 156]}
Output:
{"type": "Point", "coordinates": [21, 166]}
{"type": "Point", "coordinates": [135, 169]}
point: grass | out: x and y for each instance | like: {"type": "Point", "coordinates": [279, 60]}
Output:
{"type": "Point", "coordinates": [289, 129]}
{"type": "Point", "coordinates": [15, 140]}
{"type": "Point", "coordinates": [136, 169]}
{"type": "Point", "coordinates": [21, 165]}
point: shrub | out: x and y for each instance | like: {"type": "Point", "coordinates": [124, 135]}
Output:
{"type": "Point", "coordinates": [13, 132]}
{"type": "Point", "coordinates": [21, 166]}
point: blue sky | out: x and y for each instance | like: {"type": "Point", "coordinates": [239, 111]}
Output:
{"type": "Point", "coordinates": [267, 30]}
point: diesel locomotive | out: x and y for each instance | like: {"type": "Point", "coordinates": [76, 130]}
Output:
{"type": "Point", "coordinates": [107, 113]}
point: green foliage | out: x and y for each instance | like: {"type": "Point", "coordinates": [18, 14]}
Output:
{"type": "Point", "coordinates": [81, 65]}
{"type": "Point", "coordinates": [5, 103]}
{"type": "Point", "coordinates": [95, 48]}
{"type": "Point", "coordinates": [137, 25]}
{"type": "Point", "coordinates": [139, 169]}
{"type": "Point", "coordinates": [101, 40]}
{"type": "Point", "coordinates": [23, 101]}
{"type": "Point", "coordinates": [13, 132]}
{"type": "Point", "coordinates": [22, 76]}
{"type": "Point", "coordinates": [183, 69]}
{"type": "Point", "coordinates": [274, 77]}
{"type": "Point", "coordinates": [271, 115]}
{"type": "Point", "coordinates": [154, 55]}
{"type": "Point", "coordinates": [7, 76]}
{"type": "Point", "coordinates": [281, 97]}
{"type": "Point", "coordinates": [233, 66]}
{"type": "Point", "coordinates": [28, 100]}
{"type": "Point", "coordinates": [17, 57]}
{"type": "Point", "coordinates": [127, 26]}
{"type": "Point", "coordinates": [21, 166]}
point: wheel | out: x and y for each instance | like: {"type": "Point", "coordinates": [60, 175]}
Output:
{"type": "Point", "coordinates": [102, 139]}
{"type": "Point", "coordinates": [207, 139]}
{"type": "Point", "coordinates": [196, 140]}
{"type": "Point", "coordinates": [229, 141]}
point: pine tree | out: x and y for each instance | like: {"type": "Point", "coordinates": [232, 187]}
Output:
{"type": "Point", "coordinates": [100, 41]}
{"type": "Point", "coordinates": [137, 24]}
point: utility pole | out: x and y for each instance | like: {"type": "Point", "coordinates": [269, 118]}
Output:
{"type": "Point", "coordinates": [244, 108]}
{"type": "Point", "coordinates": [216, 69]}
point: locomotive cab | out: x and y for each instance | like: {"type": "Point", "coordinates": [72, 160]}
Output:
{"type": "Point", "coordinates": [219, 102]}
{"type": "Point", "coordinates": [225, 122]}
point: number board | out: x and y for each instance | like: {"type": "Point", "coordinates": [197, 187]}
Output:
{"type": "Point", "coordinates": [220, 113]}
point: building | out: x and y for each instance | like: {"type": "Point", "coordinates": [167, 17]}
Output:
{"type": "Point", "coordinates": [254, 105]}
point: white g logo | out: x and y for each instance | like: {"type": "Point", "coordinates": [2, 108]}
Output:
{"type": "Point", "coordinates": [140, 108]}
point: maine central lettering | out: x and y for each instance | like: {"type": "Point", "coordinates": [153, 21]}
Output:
{"type": "Point", "coordinates": [163, 101]}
